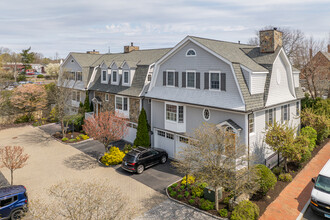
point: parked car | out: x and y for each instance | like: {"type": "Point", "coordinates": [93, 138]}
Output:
{"type": "Point", "coordinates": [138, 159]}
{"type": "Point", "coordinates": [320, 197]}
{"type": "Point", "coordinates": [13, 202]}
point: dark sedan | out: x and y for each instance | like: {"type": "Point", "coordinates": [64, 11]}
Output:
{"type": "Point", "coordinates": [138, 159]}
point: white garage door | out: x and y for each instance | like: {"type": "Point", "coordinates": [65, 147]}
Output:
{"type": "Point", "coordinates": [181, 142]}
{"type": "Point", "coordinates": [165, 141]}
{"type": "Point", "coordinates": [131, 133]}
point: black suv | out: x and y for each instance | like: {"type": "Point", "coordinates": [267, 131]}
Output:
{"type": "Point", "coordinates": [141, 158]}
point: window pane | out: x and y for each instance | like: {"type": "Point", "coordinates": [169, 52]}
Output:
{"type": "Point", "coordinates": [170, 78]}
{"type": "Point", "coordinates": [119, 103]}
{"type": "Point", "coordinates": [180, 114]}
{"type": "Point", "coordinates": [114, 76]}
{"type": "Point", "coordinates": [125, 77]}
{"type": "Point", "coordinates": [285, 112]}
{"type": "Point", "coordinates": [104, 75]}
{"type": "Point", "coordinates": [270, 117]}
{"type": "Point", "coordinates": [125, 104]}
{"type": "Point", "coordinates": [78, 96]}
{"type": "Point", "coordinates": [191, 53]}
{"type": "Point", "coordinates": [191, 79]}
{"type": "Point", "coordinates": [171, 112]}
{"type": "Point", "coordinates": [215, 82]}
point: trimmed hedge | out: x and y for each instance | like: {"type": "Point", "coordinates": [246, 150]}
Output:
{"type": "Point", "coordinates": [266, 178]}
{"type": "Point", "coordinates": [245, 210]}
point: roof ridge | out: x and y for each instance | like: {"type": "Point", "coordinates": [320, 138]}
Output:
{"type": "Point", "coordinates": [204, 38]}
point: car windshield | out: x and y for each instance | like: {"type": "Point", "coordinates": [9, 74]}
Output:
{"type": "Point", "coordinates": [129, 158]}
{"type": "Point", "coordinates": [323, 183]}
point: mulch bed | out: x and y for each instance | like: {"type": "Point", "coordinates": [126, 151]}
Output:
{"type": "Point", "coordinates": [6, 126]}
{"type": "Point", "coordinates": [264, 201]}
{"type": "Point", "coordinates": [72, 135]}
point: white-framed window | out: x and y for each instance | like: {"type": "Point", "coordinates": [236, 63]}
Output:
{"type": "Point", "coordinates": [73, 75]}
{"type": "Point", "coordinates": [114, 77]}
{"type": "Point", "coordinates": [79, 76]}
{"type": "Point", "coordinates": [171, 112]}
{"type": "Point", "coordinates": [104, 75]}
{"type": "Point", "coordinates": [126, 77]}
{"type": "Point", "coordinates": [149, 77]}
{"type": "Point", "coordinates": [74, 95]}
{"type": "Point", "coordinates": [122, 103]}
{"type": "Point", "coordinates": [215, 80]}
{"type": "Point", "coordinates": [175, 113]}
{"type": "Point", "coordinates": [191, 79]}
{"type": "Point", "coordinates": [297, 109]}
{"type": "Point", "coordinates": [206, 114]}
{"type": "Point", "coordinates": [183, 140]}
{"type": "Point", "coordinates": [191, 53]}
{"type": "Point", "coordinates": [170, 78]}
{"type": "Point", "coordinates": [78, 96]}
{"type": "Point", "coordinates": [270, 116]}
{"type": "Point", "coordinates": [161, 133]}
{"type": "Point", "coordinates": [251, 123]}
{"type": "Point", "coordinates": [106, 97]}
{"type": "Point", "coordinates": [169, 136]}
{"type": "Point", "coordinates": [285, 113]}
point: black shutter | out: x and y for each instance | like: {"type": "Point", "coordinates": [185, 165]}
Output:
{"type": "Point", "coordinates": [206, 80]}
{"type": "Point", "coordinates": [183, 79]}
{"type": "Point", "coordinates": [198, 80]}
{"type": "Point", "coordinates": [176, 79]}
{"type": "Point", "coordinates": [223, 81]}
{"type": "Point", "coordinates": [164, 78]}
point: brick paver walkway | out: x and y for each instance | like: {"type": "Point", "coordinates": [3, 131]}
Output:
{"type": "Point", "coordinates": [293, 198]}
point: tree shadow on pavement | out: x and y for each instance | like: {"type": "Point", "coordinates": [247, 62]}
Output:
{"type": "Point", "coordinates": [33, 137]}
{"type": "Point", "coordinates": [81, 162]}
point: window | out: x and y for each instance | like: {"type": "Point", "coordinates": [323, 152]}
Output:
{"type": "Point", "coordinates": [5, 202]}
{"type": "Point", "coordinates": [215, 81]}
{"type": "Point", "coordinates": [106, 97]}
{"type": "Point", "coordinates": [149, 77]}
{"type": "Point", "coordinates": [104, 75]}
{"type": "Point", "coordinates": [206, 114]}
{"type": "Point", "coordinates": [190, 79]}
{"type": "Point", "coordinates": [270, 116]}
{"type": "Point", "coordinates": [114, 76]}
{"type": "Point", "coordinates": [74, 96]}
{"type": "Point", "coordinates": [78, 96]}
{"type": "Point", "coordinates": [170, 78]}
{"type": "Point", "coordinates": [297, 109]}
{"type": "Point", "coordinates": [72, 61]}
{"type": "Point", "coordinates": [285, 113]}
{"type": "Point", "coordinates": [121, 103]}
{"type": "Point", "coordinates": [191, 53]}
{"type": "Point", "coordinates": [169, 136]}
{"type": "Point", "coordinates": [73, 76]}
{"type": "Point", "coordinates": [180, 114]}
{"type": "Point", "coordinates": [79, 76]}
{"type": "Point", "coordinates": [251, 123]}
{"type": "Point", "coordinates": [126, 77]}
{"type": "Point", "coordinates": [171, 112]}
{"type": "Point", "coordinates": [161, 133]}
{"type": "Point", "coordinates": [183, 140]}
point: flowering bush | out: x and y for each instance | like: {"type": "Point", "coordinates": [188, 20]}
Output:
{"type": "Point", "coordinates": [191, 180]}
{"type": "Point", "coordinates": [113, 157]}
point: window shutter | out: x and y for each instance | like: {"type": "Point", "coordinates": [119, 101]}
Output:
{"type": "Point", "coordinates": [164, 78]}
{"type": "Point", "coordinates": [183, 79]}
{"type": "Point", "coordinates": [266, 118]}
{"type": "Point", "coordinates": [223, 81]}
{"type": "Point", "coordinates": [176, 79]}
{"type": "Point", "coordinates": [288, 112]}
{"type": "Point", "coordinates": [282, 114]}
{"type": "Point", "coordinates": [198, 80]}
{"type": "Point", "coordinates": [206, 80]}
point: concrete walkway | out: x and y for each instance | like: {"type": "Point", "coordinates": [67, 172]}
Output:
{"type": "Point", "coordinates": [294, 197]}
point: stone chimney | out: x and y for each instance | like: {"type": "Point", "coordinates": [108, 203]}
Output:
{"type": "Point", "coordinates": [93, 52]}
{"type": "Point", "coordinates": [270, 40]}
{"type": "Point", "coordinates": [128, 49]}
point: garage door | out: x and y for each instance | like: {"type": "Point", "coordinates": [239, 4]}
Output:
{"type": "Point", "coordinates": [165, 141]}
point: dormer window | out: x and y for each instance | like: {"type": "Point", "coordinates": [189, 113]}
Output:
{"type": "Point", "coordinates": [191, 53]}
{"type": "Point", "coordinates": [114, 76]}
{"type": "Point", "coordinates": [170, 78]}
{"type": "Point", "coordinates": [126, 77]}
{"type": "Point", "coordinates": [104, 76]}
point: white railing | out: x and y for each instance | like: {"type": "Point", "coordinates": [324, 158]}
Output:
{"type": "Point", "coordinates": [89, 114]}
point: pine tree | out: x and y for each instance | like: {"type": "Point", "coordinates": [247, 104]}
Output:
{"type": "Point", "coordinates": [142, 134]}
{"type": "Point", "coordinates": [86, 103]}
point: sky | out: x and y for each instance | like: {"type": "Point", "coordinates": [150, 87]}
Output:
{"type": "Point", "coordinates": [64, 26]}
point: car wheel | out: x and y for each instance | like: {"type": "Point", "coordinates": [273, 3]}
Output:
{"type": "Point", "coordinates": [163, 159]}
{"type": "Point", "coordinates": [140, 169]}
{"type": "Point", "coordinates": [17, 214]}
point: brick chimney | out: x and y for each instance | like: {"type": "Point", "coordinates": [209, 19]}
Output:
{"type": "Point", "coordinates": [128, 49]}
{"type": "Point", "coordinates": [270, 40]}
{"type": "Point", "coordinates": [93, 52]}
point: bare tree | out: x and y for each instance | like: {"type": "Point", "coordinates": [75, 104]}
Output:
{"type": "Point", "coordinates": [83, 201]}
{"type": "Point", "coordinates": [13, 158]}
{"type": "Point", "coordinates": [215, 156]}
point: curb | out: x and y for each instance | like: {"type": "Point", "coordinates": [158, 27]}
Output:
{"type": "Point", "coordinates": [89, 139]}
{"type": "Point", "coordinates": [303, 210]}
{"type": "Point", "coordinates": [192, 207]}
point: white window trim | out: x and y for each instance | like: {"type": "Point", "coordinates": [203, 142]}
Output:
{"type": "Point", "coordinates": [122, 97]}
{"type": "Point", "coordinates": [106, 76]}
{"type": "Point", "coordinates": [167, 71]}
{"type": "Point", "coordinates": [106, 97]}
{"type": "Point", "coordinates": [191, 55]}
{"type": "Point", "coordinates": [191, 71]}
{"type": "Point", "coordinates": [177, 113]}
{"type": "Point", "coordinates": [219, 72]}
{"type": "Point", "coordinates": [117, 77]}
{"type": "Point", "coordinates": [254, 124]}
{"type": "Point", "coordinates": [204, 115]}
{"type": "Point", "coordinates": [129, 77]}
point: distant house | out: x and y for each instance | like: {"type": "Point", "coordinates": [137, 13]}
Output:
{"type": "Point", "coordinates": [315, 76]}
